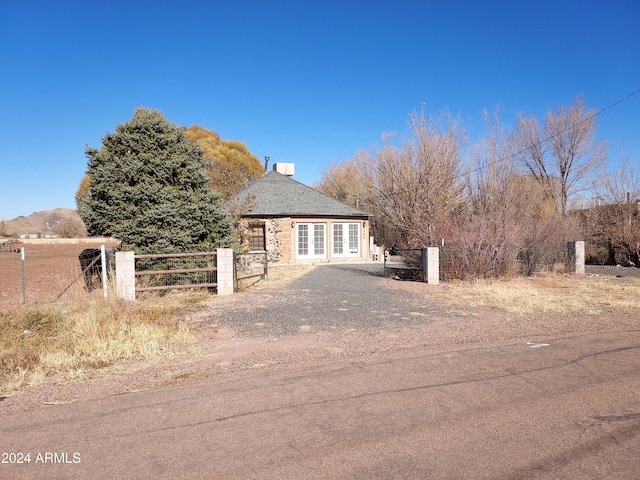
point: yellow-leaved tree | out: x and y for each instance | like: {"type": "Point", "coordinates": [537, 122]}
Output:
{"type": "Point", "coordinates": [230, 164]}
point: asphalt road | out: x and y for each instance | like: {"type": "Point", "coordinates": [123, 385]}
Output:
{"type": "Point", "coordinates": [565, 408]}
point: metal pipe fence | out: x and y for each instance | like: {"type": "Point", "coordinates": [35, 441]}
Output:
{"type": "Point", "coordinates": [250, 267]}
{"type": "Point", "coordinates": [175, 270]}
{"type": "Point", "coordinates": [404, 263]}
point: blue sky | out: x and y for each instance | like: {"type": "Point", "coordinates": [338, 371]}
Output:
{"type": "Point", "coordinates": [300, 81]}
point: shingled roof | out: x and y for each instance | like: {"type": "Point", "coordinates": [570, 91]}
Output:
{"type": "Point", "coordinates": [277, 195]}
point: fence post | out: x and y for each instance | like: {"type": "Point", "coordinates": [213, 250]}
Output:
{"type": "Point", "coordinates": [224, 265]}
{"type": "Point", "coordinates": [576, 255]}
{"type": "Point", "coordinates": [431, 265]}
{"type": "Point", "coordinates": [103, 259]}
{"type": "Point", "coordinates": [266, 265]}
{"type": "Point", "coordinates": [126, 275]}
{"type": "Point", "coordinates": [24, 281]}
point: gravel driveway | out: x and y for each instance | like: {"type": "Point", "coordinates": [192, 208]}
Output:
{"type": "Point", "coordinates": [327, 298]}
{"type": "Point", "coordinates": [613, 271]}
{"type": "Point", "coordinates": [335, 297]}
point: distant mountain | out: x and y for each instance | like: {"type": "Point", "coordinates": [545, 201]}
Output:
{"type": "Point", "coordinates": [60, 221]}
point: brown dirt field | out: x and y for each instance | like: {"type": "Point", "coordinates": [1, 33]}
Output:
{"type": "Point", "coordinates": [49, 270]}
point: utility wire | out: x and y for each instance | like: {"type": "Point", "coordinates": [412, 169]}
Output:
{"type": "Point", "coordinates": [477, 169]}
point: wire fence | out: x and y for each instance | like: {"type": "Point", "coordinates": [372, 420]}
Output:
{"type": "Point", "coordinates": [67, 272]}
{"type": "Point", "coordinates": [459, 261]}
{"type": "Point", "coordinates": [46, 273]}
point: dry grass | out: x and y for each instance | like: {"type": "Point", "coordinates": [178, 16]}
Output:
{"type": "Point", "coordinates": [588, 295]}
{"type": "Point", "coordinates": [77, 339]}
{"type": "Point", "coordinates": [88, 335]}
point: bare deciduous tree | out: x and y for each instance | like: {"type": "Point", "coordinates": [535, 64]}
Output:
{"type": "Point", "coordinates": [344, 181]}
{"type": "Point", "coordinates": [506, 214]}
{"type": "Point", "coordinates": [528, 140]}
{"type": "Point", "coordinates": [564, 155]}
{"type": "Point", "coordinates": [613, 221]}
{"type": "Point", "coordinates": [492, 186]}
{"type": "Point", "coordinates": [508, 209]}
{"type": "Point", "coordinates": [415, 187]}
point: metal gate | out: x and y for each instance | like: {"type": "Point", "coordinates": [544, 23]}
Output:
{"type": "Point", "coordinates": [175, 270]}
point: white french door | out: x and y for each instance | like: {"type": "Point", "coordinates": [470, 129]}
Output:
{"type": "Point", "coordinates": [346, 239]}
{"type": "Point", "coordinates": [311, 240]}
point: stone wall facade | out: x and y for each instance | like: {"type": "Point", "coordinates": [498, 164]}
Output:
{"type": "Point", "coordinates": [278, 239]}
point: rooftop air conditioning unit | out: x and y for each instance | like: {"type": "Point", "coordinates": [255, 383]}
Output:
{"type": "Point", "coordinates": [284, 168]}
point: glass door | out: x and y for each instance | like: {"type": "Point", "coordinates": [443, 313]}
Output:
{"type": "Point", "coordinates": [346, 239]}
{"type": "Point", "coordinates": [311, 240]}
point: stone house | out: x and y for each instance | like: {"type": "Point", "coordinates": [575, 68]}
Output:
{"type": "Point", "coordinates": [296, 224]}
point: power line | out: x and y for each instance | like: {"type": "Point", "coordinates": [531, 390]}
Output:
{"type": "Point", "coordinates": [477, 169]}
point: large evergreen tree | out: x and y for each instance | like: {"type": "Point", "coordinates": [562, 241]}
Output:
{"type": "Point", "coordinates": [148, 189]}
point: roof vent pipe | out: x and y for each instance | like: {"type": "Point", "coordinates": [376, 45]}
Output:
{"type": "Point", "coordinates": [266, 163]}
